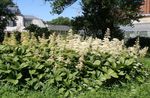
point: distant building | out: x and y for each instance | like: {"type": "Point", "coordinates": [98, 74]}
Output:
{"type": "Point", "coordinates": [22, 21]}
{"type": "Point", "coordinates": [59, 28]}
{"type": "Point", "coordinates": [28, 19]}
{"type": "Point", "coordinates": [142, 27]}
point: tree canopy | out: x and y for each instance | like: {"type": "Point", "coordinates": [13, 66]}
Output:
{"type": "Point", "coordinates": [60, 21]}
{"type": "Point", "coordinates": [5, 16]}
{"type": "Point", "coordinates": [98, 15]}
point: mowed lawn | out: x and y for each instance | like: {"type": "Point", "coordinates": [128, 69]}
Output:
{"type": "Point", "coordinates": [129, 90]}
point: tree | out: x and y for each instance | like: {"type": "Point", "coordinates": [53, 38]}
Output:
{"type": "Point", "coordinates": [60, 21]}
{"type": "Point", "coordinates": [98, 15]}
{"type": "Point", "coordinates": [5, 16]}
{"type": "Point", "coordinates": [38, 31]}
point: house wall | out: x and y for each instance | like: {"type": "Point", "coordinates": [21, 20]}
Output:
{"type": "Point", "coordinates": [38, 22]}
{"type": "Point", "coordinates": [19, 25]}
{"type": "Point", "coordinates": [146, 7]}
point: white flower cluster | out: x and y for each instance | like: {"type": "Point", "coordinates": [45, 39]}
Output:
{"type": "Point", "coordinates": [74, 42]}
{"type": "Point", "coordinates": [113, 47]}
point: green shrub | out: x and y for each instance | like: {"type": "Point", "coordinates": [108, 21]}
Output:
{"type": "Point", "coordinates": [70, 65]}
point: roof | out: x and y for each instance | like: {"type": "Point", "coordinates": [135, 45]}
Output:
{"type": "Point", "coordinates": [30, 17]}
{"type": "Point", "coordinates": [59, 27]}
{"type": "Point", "coordinates": [14, 9]}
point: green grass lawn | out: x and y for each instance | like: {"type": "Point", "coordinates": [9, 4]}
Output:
{"type": "Point", "coordinates": [146, 61]}
{"type": "Point", "coordinates": [130, 90]}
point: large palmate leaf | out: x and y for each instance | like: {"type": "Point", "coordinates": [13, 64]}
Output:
{"type": "Point", "coordinates": [13, 81]}
{"type": "Point", "coordinates": [97, 63]}
{"type": "Point", "coordinates": [129, 62]}
{"type": "Point", "coordinates": [18, 76]}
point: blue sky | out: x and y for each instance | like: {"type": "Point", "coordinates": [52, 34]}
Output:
{"type": "Point", "coordinates": [41, 9]}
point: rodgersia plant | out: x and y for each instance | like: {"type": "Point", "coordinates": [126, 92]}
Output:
{"type": "Point", "coordinates": [70, 64]}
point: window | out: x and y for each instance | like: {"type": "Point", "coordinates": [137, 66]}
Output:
{"type": "Point", "coordinates": [12, 23]}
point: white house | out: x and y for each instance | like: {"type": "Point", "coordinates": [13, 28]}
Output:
{"type": "Point", "coordinates": [17, 25]}
{"type": "Point", "coordinates": [22, 21]}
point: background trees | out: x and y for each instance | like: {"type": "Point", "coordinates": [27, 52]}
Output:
{"type": "Point", "coordinates": [5, 16]}
{"type": "Point", "coordinates": [98, 15]}
{"type": "Point", "coordinates": [60, 21]}
{"type": "Point", "coordinates": [38, 31]}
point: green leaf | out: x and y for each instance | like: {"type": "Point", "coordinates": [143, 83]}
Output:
{"type": "Point", "coordinates": [106, 63]}
{"type": "Point", "coordinates": [39, 66]}
{"type": "Point", "coordinates": [50, 81]}
{"type": "Point", "coordinates": [72, 76]}
{"type": "Point", "coordinates": [15, 59]}
{"type": "Point", "coordinates": [58, 78]}
{"type": "Point", "coordinates": [66, 93]}
{"type": "Point", "coordinates": [15, 82]}
{"type": "Point", "coordinates": [28, 54]}
{"type": "Point", "coordinates": [62, 74]}
{"type": "Point", "coordinates": [15, 67]}
{"type": "Point", "coordinates": [61, 90]}
{"type": "Point", "coordinates": [5, 71]}
{"type": "Point", "coordinates": [114, 65]}
{"type": "Point", "coordinates": [86, 80]}
{"type": "Point", "coordinates": [127, 77]}
{"type": "Point", "coordinates": [27, 79]}
{"type": "Point", "coordinates": [111, 60]}
{"type": "Point", "coordinates": [38, 85]}
{"type": "Point", "coordinates": [23, 65]}
{"type": "Point", "coordinates": [103, 77]}
{"type": "Point", "coordinates": [112, 73]}
{"type": "Point", "coordinates": [104, 69]}
{"type": "Point", "coordinates": [19, 76]}
{"type": "Point", "coordinates": [30, 82]}
{"type": "Point", "coordinates": [140, 79]}
{"type": "Point", "coordinates": [40, 76]}
{"type": "Point", "coordinates": [97, 62]}
{"type": "Point", "coordinates": [122, 60]}
{"type": "Point", "coordinates": [129, 62]}
{"type": "Point", "coordinates": [121, 73]}
{"type": "Point", "coordinates": [32, 72]}
{"type": "Point", "coordinates": [99, 82]}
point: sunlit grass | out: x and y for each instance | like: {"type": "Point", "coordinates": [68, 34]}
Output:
{"type": "Point", "coordinates": [146, 61]}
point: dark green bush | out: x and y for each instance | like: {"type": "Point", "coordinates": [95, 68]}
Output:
{"type": "Point", "coordinates": [143, 42]}
{"type": "Point", "coordinates": [17, 35]}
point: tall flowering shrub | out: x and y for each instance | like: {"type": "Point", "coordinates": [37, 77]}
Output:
{"type": "Point", "coordinates": [69, 63]}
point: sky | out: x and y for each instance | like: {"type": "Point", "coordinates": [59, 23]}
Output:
{"type": "Point", "coordinates": [41, 9]}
